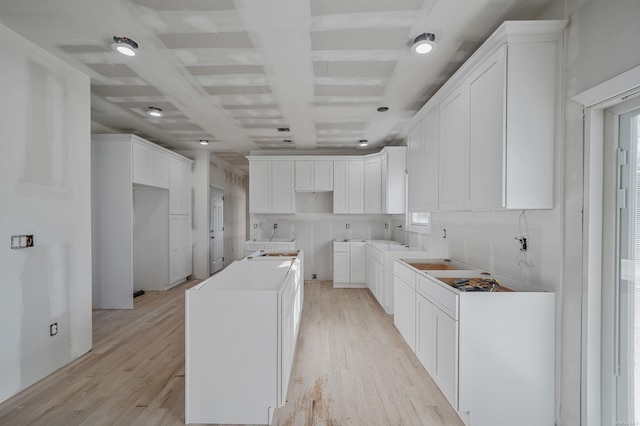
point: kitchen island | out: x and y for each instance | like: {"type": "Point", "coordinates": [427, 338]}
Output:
{"type": "Point", "coordinates": [241, 331]}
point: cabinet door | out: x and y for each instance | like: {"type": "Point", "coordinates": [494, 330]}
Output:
{"type": "Point", "coordinates": [180, 247]}
{"type": "Point", "coordinates": [407, 312]}
{"type": "Point", "coordinates": [282, 186]}
{"type": "Point", "coordinates": [179, 187]}
{"type": "Point", "coordinates": [160, 169]}
{"type": "Point", "coordinates": [373, 185]}
{"type": "Point", "coordinates": [425, 337]}
{"type": "Point", "coordinates": [340, 187]}
{"type": "Point", "coordinates": [446, 367]}
{"type": "Point", "coordinates": [260, 186]}
{"type": "Point", "coordinates": [414, 168]}
{"type": "Point", "coordinates": [399, 314]}
{"type": "Point", "coordinates": [341, 266]}
{"type": "Point", "coordinates": [384, 167]}
{"type": "Point", "coordinates": [453, 146]}
{"type": "Point", "coordinates": [357, 263]}
{"type": "Point", "coordinates": [142, 160]}
{"type": "Point", "coordinates": [323, 175]}
{"type": "Point", "coordinates": [429, 178]}
{"type": "Point", "coordinates": [378, 272]}
{"type": "Point", "coordinates": [355, 186]}
{"type": "Point", "coordinates": [487, 133]}
{"type": "Point", "coordinates": [304, 175]}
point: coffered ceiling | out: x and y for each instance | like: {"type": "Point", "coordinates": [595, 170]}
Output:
{"type": "Point", "coordinates": [234, 71]}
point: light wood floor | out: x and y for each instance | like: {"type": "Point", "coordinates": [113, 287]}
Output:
{"type": "Point", "coordinates": [351, 368]}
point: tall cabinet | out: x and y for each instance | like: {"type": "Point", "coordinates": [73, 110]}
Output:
{"type": "Point", "coordinates": [141, 214]}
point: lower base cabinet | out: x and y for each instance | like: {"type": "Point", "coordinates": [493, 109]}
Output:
{"type": "Point", "coordinates": [491, 354]}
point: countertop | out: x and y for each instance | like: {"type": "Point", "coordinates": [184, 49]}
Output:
{"type": "Point", "coordinates": [248, 276]}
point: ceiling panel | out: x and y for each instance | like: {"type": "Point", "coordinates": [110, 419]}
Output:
{"type": "Point", "coordinates": [186, 4]}
{"type": "Point", "coordinates": [226, 69]}
{"type": "Point", "coordinates": [113, 70]}
{"type": "Point", "coordinates": [340, 90]}
{"type": "Point", "coordinates": [330, 7]}
{"type": "Point", "coordinates": [364, 39]}
{"type": "Point", "coordinates": [237, 90]}
{"type": "Point", "coordinates": [125, 91]}
{"type": "Point", "coordinates": [231, 40]}
{"type": "Point", "coordinates": [355, 69]}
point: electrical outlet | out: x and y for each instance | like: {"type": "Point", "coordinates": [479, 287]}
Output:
{"type": "Point", "coordinates": [275, 226]}
{"type": "Point", "coordinates": [53, 329]}
{"type": "Point", "coordinates": [386, 226]}
{"type": "Point", "coordinates": [255, 226]}
{"type": "Point", "coordinates": [314, 276]}
{"type": "Point", "coordinates": [348, 226]}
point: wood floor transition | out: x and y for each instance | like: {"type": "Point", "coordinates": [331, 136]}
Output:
{"type": "Point", "coordinates": [351, 367]}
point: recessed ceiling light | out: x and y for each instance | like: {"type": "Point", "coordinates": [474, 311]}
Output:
{"type": "Point", "coordinates": [424, 43]}
{"type": "Point", "coordinates": [124, 45]}
{"type": "Point", "coordinates": [154, 111]}
{"type": "Point", "coordinates": [363, 142]}
{"type": "Point", "coordinates": [204, 142]}
{"type": "Point", "coordinates": [382, 109]}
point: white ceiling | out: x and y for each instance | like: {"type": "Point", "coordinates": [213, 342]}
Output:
{"type": "Point", "coordinates": [233, 71]}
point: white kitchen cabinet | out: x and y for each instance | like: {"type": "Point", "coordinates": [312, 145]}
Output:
{"type": "Point", "coordinates": [271, 186]}
{"type": "Point", "coordinates": [241, 336]}
{"type": "Point", "coordinates": [349, 264]}
{"type": "Point", "coordinates": [356, 262]}
{"type": "Point", "coordinates": [454, 141]}
{"type": "Point", "coordinates": [415, 166]}
{"type": "Point", "coordinates": [133, 231]}
{"type": "Point", "coordinates": [314, 175]}
{"type": "Point", "coordinates": [497, 124]}
{"type": "Point", "coordinates": [180, 245]}
{"type": "Point", "coordinates": [404, 317]}
{"type": "Point", "coordinates": [348, 186]}
{"type": "Point", "coordinates": [456, 340]}
{"type": "Point", "coordinates": [180, 186]}
{"type": "Point", "coordinates": [393, 164]}
{"type": "Point", "coordinates": [422, 164]}
{"type": "Point", "coordinates": [150, 165]}
{"type": "Point", "coordinates": [425, 328]}
{"type": "Point", "coordinates": [373, 184]}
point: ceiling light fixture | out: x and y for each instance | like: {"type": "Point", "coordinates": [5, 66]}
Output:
{"type": "Point", "coordinates": [204, 142]}
{"type": "Point", "coordinates": [155, 112]}
{"type": "Point", "coordinates": [124, 45]}
{"type": "Point", "coordinates": [424, 43]}
{"type": "Point", "coordinates": [363, 142]}
{"type": "Point", "coordinates": [382, 109]}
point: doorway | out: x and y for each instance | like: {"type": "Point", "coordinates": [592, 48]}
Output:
{"type": "Point", "coordinates": [216, 230]}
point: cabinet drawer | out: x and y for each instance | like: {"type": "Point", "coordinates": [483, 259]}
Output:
{"type": "Point", "coordinates": [251, 247]}
{"type": "Point", "coordinates": [340, 246]}
{"type": "Point", "coordinates": [439, 295]}
{"type": "Point", "coordinates": [405, 273]}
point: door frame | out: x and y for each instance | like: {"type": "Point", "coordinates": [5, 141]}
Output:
{"type": "Point", "coordinates": [213, 189]}
{"type": "Point", "coordinates": [595, 102]}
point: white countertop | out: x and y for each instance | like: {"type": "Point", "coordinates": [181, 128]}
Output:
{"type": "Point", "coordinates": [248, 276]}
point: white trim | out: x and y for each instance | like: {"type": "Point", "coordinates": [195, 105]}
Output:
{"type": "Point", "coordinates": [618, 86]}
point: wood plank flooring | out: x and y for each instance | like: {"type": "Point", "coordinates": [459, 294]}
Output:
{"type": "Point", "coordinates": [351, 368]}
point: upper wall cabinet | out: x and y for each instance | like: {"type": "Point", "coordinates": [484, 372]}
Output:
{"type": "Point", "coordinates": [150, 165]}
{"type": "Point", "coordinates": [314, 175]}
{"type": "Point", "coordinates": [393, 179]}
{"type": "Point", "coordinates": [497, 125]}
{"type": "Point", "coordinates": [271, 186]}
{"type": "Point", "coordinates": [348, 186]}
{"type": "Point", "coordinates": [373, 184]}
{"type": "Point", "coordinates": [180, 186]}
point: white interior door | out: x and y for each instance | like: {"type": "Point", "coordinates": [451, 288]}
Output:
{"type": "Point", "coordinates": [216, 231]}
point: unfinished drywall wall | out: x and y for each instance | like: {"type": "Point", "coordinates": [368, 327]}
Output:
{"type": "Point", "coordinates": [45, 191]}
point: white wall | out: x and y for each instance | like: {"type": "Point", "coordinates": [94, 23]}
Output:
{"type": "Point", "coordinates": [208, 171]}
{"type": "Point", "coordinates": [234, 183]}
{"type": "Point", "coordinates": [44, 190]}
{"type": "Point", "coordinates": [314, 227]}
